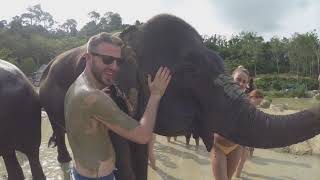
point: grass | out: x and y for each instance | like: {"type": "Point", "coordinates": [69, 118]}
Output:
{"type": "Point", "coordinates": [296, 104]}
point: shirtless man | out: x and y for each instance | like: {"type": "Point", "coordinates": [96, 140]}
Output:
{"type": "Point", "coordinates": [90, 113]}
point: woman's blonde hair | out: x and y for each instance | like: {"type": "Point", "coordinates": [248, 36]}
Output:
{"type": "Point", "coordinates": [241, 69]}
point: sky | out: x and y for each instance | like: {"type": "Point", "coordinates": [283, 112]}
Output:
{"type": "Point", "coordinates": [225, 17]}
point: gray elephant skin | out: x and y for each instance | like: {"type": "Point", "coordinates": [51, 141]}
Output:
{"type": "Point", "coordinates": [20, 118]}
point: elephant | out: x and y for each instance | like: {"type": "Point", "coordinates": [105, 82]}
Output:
{"type": "Point", "coordinates": [201, 94]}
{"type": "Point", "coordinates": [20, 118]}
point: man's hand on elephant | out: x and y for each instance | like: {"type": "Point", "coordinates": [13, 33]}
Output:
{"type": "Point", "coordinates": [160, 82]}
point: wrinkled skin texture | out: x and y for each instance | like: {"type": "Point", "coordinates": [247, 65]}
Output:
{"type": "Point", "coordinates": [200, 93]}
{"type": "Point", "coordinates": [20, 118]}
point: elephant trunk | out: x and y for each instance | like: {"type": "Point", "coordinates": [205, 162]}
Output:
{"type": "Point", "coordinates": [231, 115]}
{"type": "Point", "coordinates": [258, 129]}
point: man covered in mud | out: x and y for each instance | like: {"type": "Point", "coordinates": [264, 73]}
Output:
{"type": "Point", "coordinates": [90, 113]}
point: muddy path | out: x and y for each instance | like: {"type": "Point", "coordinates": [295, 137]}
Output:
{"type": "Point", "coordinates": [176, 161]}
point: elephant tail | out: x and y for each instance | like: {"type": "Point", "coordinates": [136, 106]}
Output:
{"type": "Point", "coordinates": [52, 141]}
{"type": "Point", "coordinates": [46, 71]}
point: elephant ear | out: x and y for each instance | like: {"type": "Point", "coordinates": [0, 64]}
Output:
{"type": "Point", "coordinates": [129, 55]}
{"type": "Point", "coordinates": [132, 37]}
{"type": "Point", "coordinates": [81, 61]}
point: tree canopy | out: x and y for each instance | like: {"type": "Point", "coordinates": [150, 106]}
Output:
{"type": "Point", "coordinates": [34, 38]}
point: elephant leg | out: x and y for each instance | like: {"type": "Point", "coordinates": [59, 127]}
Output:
{"type": "Point", "coordinates": [58, 137]}
{"type": "Point", "coordinates": [52, 96]}
{"type": "Point", "coordinates": [12, 165]}
{"type": "Point", "coordinates": [188, 136]}
{"type": "Point", "coordinates": [123, 158]}
{"type": "Point", "coordinates": [196, 137]}
{"type": "Point", "coordinates": [140, 160]}
{"type": "Point", "coordinates": [36, 169]}
{"type": "Point", "coordinates": [63, 154]}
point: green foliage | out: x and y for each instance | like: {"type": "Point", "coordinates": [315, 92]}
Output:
{"type": "Point", "coordinates": [35, 34]}
{"type": "Point", "coordinates": [274, 94]}
{"type": "Point", "coordinates": [299, 91]}
{"type": "Point", "coordinates": [285, 85]}
{"type": "Point", "coordinates": [28, 66]}
{"type": "Point", "coordinates": [5, 53]}
{"type": "Point", "coordinates": [31, 35]}
{"type": "Point", "coordinates": [317, 97]}
{"type": "Point", "coordinates": [276, 82]}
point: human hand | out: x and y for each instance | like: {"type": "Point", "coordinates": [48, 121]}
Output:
{"type": "Point", "coordinates": [160, 82]}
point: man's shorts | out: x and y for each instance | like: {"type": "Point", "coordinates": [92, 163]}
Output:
{"type": "Point", "coordinates": [76, 176]}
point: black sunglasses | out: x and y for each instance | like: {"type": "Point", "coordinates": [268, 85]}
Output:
{"type": "Point", "coordinates": [108, 59]}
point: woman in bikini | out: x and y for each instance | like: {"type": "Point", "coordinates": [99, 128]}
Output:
{"type": "Point", "coordinates": [255, 98]}
{"type": "Point", "coordinates": [225, 154]}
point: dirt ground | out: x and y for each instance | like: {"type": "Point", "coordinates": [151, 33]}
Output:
{"type": "Point", "coordinates": [176, 161]}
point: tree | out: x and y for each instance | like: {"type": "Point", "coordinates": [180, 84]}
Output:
{"type": "Point", "coordinates": [70, 27]}
{"type": "Point", "coordinates": [115, 21]}
{"type": "Point", "coordinates": [89, 29]}
{"type": "Point", "coordinates": [36, 12]}
{"type": "Point", "coordinates": [112, 21]}
{"type": "Point", "coordinates": [40, 17]}
{"type": "Point", "coordinates": [28, 18]}
{"type": "Point", "coordinates": [28, 66]}
{"type": "Point", "coordinates": [47, 20]}
{"type": "Point", "coordinates": [95, 16]}
{"type": "Point", "coordinates": [277, 51]}
{"type": "Point", "coordinates": [251, 47]}
{"type": "Point", "coordinates": [16, 24]}
{"type": "Point", "coordinates": [3, 24]}
{"type": "Point", "coordinates": [218, 43]}
{"type": "Point", "coordinates": [302, 52]}
{"type": "Point", "coordinates": [6, 54]}
{"type": "Point", "coordinates": [138, 23]}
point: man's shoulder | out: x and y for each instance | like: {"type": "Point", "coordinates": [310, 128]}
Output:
{"type": "Point", "coordinates": [91, 97]}
{"type": "Point", "coordinates": [78, 93]}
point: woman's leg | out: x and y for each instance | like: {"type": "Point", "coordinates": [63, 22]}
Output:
{"type": "Point", "coordinates": [218, 163]}
{"type": "Point", "coordinates": [251, 149]}
{"type": "Point", "coordinates": [233, 160]}
{"type": "Point", "coordinates": [244, 156]}
{"type": "Point", "coordinates": [152, 157]}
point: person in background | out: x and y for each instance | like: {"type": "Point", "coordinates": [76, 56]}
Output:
{"type": "Point", "coordinates": [255, 98]}
{"type": "Point", "coordinates": [225, 154]}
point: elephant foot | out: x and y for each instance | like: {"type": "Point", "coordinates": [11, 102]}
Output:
{"type": "Point", "coordinates": [13, 167]}
{"type": "Point", "coordinates": [64, 158]}
{"type": "Point", "coordinates": [187, 141]}
{"type": "Point", "coordinates": [39, 178]}
{"type": "Point", "coordinates": [66, 169]}
{"type": "Point", "coordinates": [18, 177]}
{"type": "Point", "coordinates": [197, 142]}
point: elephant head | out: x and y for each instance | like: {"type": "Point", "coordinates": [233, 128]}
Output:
{"type": "Point", "coordinates": [201, 94]}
